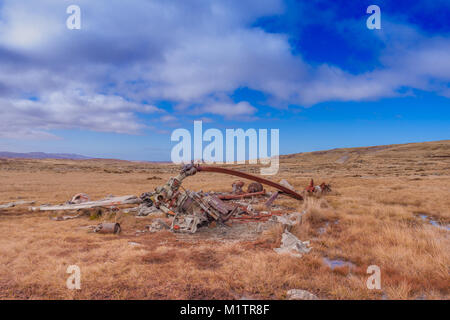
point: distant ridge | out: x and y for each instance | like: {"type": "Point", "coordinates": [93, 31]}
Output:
{"type": "Point", "coordinates": [41, 155]}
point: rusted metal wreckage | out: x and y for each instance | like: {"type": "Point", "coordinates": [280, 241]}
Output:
{"type": "Point", "coordinates": [320, 189]}
{"type": "Point", "coordinates": [191, 209]}
{"type": "Point", "coordinates": [188, 209]}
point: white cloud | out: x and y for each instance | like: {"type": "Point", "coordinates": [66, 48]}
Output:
{"type": "Point", "coordinates": [230, 110]}
{"type": "Point", "coordinates": [69, 110]}
{"type": "Point", "coordinates": [194, 54]}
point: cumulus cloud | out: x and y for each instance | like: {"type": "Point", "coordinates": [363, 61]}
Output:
{"type": "Point", "coordinates": [194, 54]}
{"type": "Point", "coordinates": [68, 110]}
{"type": "Point", "coordinates": [230, 110]}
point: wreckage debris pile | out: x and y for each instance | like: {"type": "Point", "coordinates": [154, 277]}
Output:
{"type": "Point", "coordinates": [187, 210]}
{"type": "Point", "coordinates": [191, 209]}
{"type": "Point", "coordinates": [323, 188]}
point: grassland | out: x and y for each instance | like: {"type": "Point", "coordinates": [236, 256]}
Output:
{"type": "Point", "coordinates": [374, 216]}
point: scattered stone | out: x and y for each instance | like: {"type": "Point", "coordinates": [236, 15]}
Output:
{"type": "Point", "coordinates": [64, 218]}
{"type": "Point", "coordinates": [154, 178]}
{"type": "Point", "coordinates": [298, 294]}
{"type": "Point", "coordinates": [245, 297]}
{"type": "Point", "coordinates": [132, 243]}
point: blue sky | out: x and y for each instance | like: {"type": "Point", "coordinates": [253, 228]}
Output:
{"type": "Point", "coordinates": [137, 70]}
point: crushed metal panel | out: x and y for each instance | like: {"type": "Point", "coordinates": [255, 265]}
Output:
{"type": "Point", "coordinates": [131, 199]}
{"type": "Point", "coordinates": [290, 244]}
{"type": "Point", "coordinates": [185, 223]}
{"type": "Point", "coordinates": [219, 205]}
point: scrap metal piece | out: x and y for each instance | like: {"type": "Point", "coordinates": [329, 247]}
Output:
{"type": "Point", "coordinates": [289, 220]}
{"type": "Point", "coordinates": [185, 223]}
{"type": "Point", "coordinates": [240, 196]}
{"type": "Point", "coordinates": [325, 188]}
{"type": "Point", "coordinates": [288, 191]}
{"type": "Point", "coordinates": [145, 210]}
{"type": "Point", "coordinates": [157, 225]}
{"type": "Point", "coordinates": [15, 203]}
{"type": "Point", "coordinates": [322, 189]}
{"type": "Point", "coordinates": [108, 227]}
{"type": "Point", "coordinates": [91, 204]}
{"type": "Point", "coordinates": [64, 218]}
{"type": "Point", "coordinates": [237, 187]}
{"type": "Point", "coordinates": [310, 188]}
{"type": "Point", "coordinates": [286, 184]}
{"type": "Point", "coordinates": [130, 210]}
{"type": "Point", "coordinates": [272, 199]}
{"type": "Point", "coordinates": [223, 208]}
{"type": "Point", "coordinates": [79, 198]}
{"type": "Point", "coordinates": [254, 187]}
{"type": "Point", "coordinates": [290, 244]}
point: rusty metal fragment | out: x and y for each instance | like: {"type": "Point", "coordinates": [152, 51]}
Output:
{"type": "Point", "coordinates": [280, 187]}
{"type": "Point", "coordinates": [272, 199]}
{"type": "Point", "coordinates": [108, 227]}
{"type": "Point", "coordinates": [191, 209]}
{"type": "Point", "coordinates": [237, 187]}
{"type": "Point", "coordinates": [323, 188]}
{"type": "Point", "coordinates": [254, 187]}
{"type": "Point", "coordinates": [240, 196]}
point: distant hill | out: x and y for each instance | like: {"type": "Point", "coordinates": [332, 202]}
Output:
{"type": "Point", "coordinates": [422, 158]}
{"type": "Point", "coordinates": [41, 155]}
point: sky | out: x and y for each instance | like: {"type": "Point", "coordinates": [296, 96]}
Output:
{"type": "Point", "coordinates": [137, 70]}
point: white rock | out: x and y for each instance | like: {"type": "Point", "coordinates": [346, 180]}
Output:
{"type": "Point", "coordinates": [298, 294]}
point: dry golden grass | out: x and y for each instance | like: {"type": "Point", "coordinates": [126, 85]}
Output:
{"type": "Point", "coordinates": [371, 217]}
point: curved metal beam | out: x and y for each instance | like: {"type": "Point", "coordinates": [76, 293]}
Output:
{"type": "Point", "coordinates": [288, 191]}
